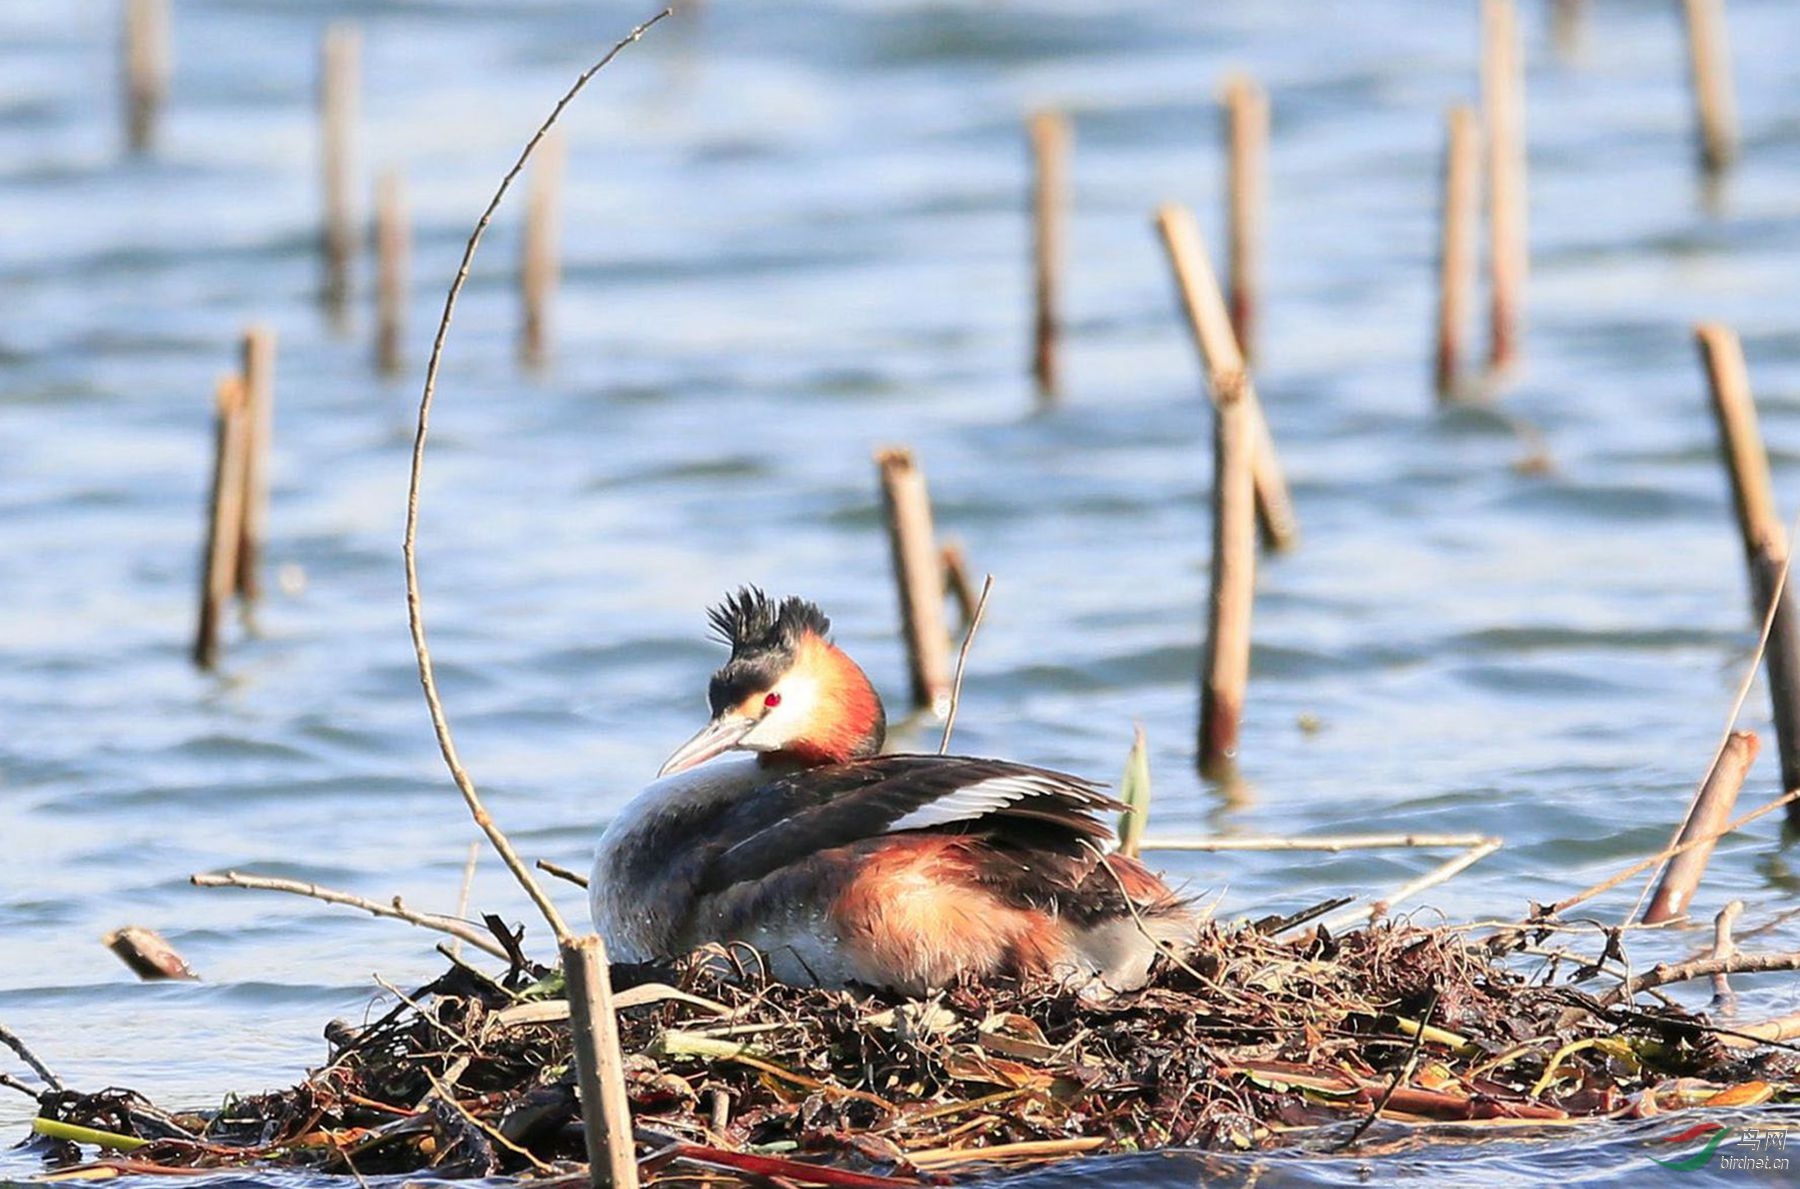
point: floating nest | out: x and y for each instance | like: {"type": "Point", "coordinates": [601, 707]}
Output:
{"type": "Point", "coordinates": [1246, 1042]}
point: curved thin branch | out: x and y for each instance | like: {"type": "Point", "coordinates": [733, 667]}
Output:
{"type": "Point", "coordinates": [415, 615]}
{"type": "Point", "coordinates": [11, 1041]}
{"type": "Point", "coordinates": [398, 911]}
{"type": "Point", "coordinates": [1675, 972]}
{"type": "Point", "coordinates": [1656, 860]}
{"type": "Point", "coordinates": [962, 662]}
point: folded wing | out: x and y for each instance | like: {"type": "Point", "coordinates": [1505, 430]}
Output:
{"type": "Point", "coordinates": [1015, 807]}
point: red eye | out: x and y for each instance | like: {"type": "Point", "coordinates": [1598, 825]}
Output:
{"type": "Point", "coordinates": [770, 701]}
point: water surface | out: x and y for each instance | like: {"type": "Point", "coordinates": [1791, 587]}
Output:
{"type": "Point", "coordinates": [794, 233]}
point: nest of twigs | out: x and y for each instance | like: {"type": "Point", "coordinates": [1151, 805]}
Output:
{"type": "Point", "coordinates": [1246, 1042]}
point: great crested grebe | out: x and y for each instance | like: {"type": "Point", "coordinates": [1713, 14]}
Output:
{"type": "Point", "coordinates": [842, 865]}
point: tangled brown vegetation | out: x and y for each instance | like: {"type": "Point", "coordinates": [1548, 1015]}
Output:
{"type": "Point", "coordinates": [1248, 1041]}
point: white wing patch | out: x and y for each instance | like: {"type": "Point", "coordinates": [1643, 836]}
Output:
{"type": "Point", "coordinates": [978, 800]}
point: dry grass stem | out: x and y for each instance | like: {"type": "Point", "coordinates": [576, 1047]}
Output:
{"type": "Point", "coordinates": [462, 894]}
{"type": "Point", "coordinates": [562, 873]}
{"type": "Point", "coordinates": [1442, 873]}
{"type": "Point", "coordinates": [1781, 1030]}
{"type": "Point", "coordinates": [1658, 859]}
{"type": "Point", "coordinates": [962, 662]}
{"type": "Point", "coordinates": [394, 909]}
{"type": "Point", "coordinates": [1326, 842]}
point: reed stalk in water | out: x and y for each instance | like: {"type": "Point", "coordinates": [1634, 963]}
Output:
{"type": "Point", "coordinates": [1710, 810]}
{"type": "Point", "coordinates": [258, 358]}
{"type": "Point", "coordinates": [1456, 252]}
{"type": "Point", "coordinates": [1225, 668]}
{"type": "Point", "coordinates": [1217, 344]}
{"type": "Point", "coordinates": [1709, 69]}
{"type": "Point", "coordinates": [224, 518]}
{"type": "Point", "coordinates": [1764, 536]}
{"type": "Point", "coordinates": [1246, 178]}
{"type": "Point", "coordinates": [145, 53]}
{"type": "Point", "coordinates": [1050, 139]}
{"type": "Point", "coordinates": [1503, 111]}
{"type": "Point", "coordinates": [340, 86]}
{"type": "Point", "coordinates": [917, 577]}
{"type": "Point", "coordinates": [393, 273]}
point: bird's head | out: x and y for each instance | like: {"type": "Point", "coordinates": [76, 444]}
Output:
{"type": "Point", "coordinates": [787, 691]}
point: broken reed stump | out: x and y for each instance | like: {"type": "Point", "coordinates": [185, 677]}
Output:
{"type": "Point", "coordinates": [1224, 366]}
{"type": "Point", "coordinates": [259, 413]}
{"type": "Point", "coordinates": [1246, 177]}
{"type": "Point", "coordinates": [1050, 138]}
{"type": "Point", "coordinates": [224, 518]}
{"type": "Point", "coordinates": [918, 576]}
{"type": "Point", "coordinates": [1567, 18]}
{"type": "Point", "coordinates": [1225, 667]}
{"type": "Point", "coordinates": [957, 583]}
{"type": "Point", "coordinates": [1724, 1002]}
{"type": "Point", "coordinates": [1710, 811]}
{"type": "Point", "coordinates": [1456, 250]}
{"type": "Point", "coordinates": [1709, 68]}
{"type": "Point", "coordinates": [148, 955]}
{"type": "Point", "coordinates": [340, 85]}
{"type": "Point", "coordinates": [393, 266]}
{"type": "Point", "coordinates": [1503, 112]}
{"type": "Point", "coordinates": [600, 1064]}
{"type": "Point", "coordinates": [144, 53]}
{"type": "Point", "coordinates": [1764, 537]}
{"type": "Point", "coordinates": [540, 253]}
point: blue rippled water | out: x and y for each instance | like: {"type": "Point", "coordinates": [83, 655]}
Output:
{"type": "Point", "coordinates": [793, 233]}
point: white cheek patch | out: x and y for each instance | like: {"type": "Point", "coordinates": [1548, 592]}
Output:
{"type": "Point", "coordinates": [787, 722]}
{"type": "Point", "coordinates": [974, 801]}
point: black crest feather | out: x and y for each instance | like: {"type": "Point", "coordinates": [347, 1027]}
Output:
{"type": "Point", "coordinates": [765, 638]}
{"type": "Point", "coordinates": [751, 622]}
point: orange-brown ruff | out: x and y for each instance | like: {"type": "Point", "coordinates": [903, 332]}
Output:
{"type": "Point", "coordinates": [843, 865]}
